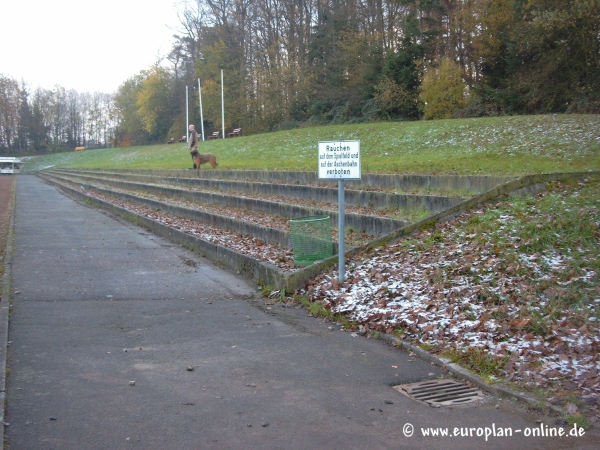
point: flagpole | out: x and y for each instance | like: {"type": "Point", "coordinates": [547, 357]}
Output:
{"type": "Point", "coordinates": [187, 116]}
{"type": "Point", "coordinates": [222, 106]}
{"type": "Point", "coordinates": [201, 116]}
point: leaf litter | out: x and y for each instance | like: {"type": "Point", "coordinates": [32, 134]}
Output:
{"type": "Point", "coordinates": [510, 288]}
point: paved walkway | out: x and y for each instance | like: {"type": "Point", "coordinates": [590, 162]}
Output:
{"type": "Point", "coordinates": [107, 320]}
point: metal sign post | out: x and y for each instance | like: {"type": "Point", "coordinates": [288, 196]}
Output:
{"type": "Point", "coordinates": [340, 160]}
{"type": "Point", "coordinates": [341, 232]}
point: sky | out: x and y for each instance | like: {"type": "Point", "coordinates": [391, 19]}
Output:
{"type": "Point", "coordinates": [82, 45]}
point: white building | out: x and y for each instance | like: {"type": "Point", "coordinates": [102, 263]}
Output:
{"type": "Point", "coordinates": [9, 164]}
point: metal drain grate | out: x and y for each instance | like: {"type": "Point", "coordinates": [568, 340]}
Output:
{"type": "Point", "coordinates": [441, 392]}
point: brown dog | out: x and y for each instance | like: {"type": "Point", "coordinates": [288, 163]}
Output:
{"type": "Point", "coordinates": [203, 158]}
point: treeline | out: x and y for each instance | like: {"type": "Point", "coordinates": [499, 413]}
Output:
{"type": "Point", "coordinates": [290, 63]}
{"type": "Point", "coordinates": [45, 120]}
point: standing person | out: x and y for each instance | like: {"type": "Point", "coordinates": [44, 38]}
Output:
{"type": "Point", "coordinates": [193, 142]}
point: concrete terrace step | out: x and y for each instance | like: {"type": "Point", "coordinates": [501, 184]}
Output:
{"type": "Point", "coordinates": [353, 195]}
{"type": "Point", "coordinates": [402, 182]}
{"type": "Point", "coordinates": [369, 224]}
{"type": "Point", "coordinates": [264, 273]}
{"type": "Point", "coordinates": [267, 234]}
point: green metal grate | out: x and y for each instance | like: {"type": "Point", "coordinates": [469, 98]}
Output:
{"type": "Point", "coordinates": [311, 239]}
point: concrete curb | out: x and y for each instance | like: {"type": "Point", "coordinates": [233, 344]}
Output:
{"type": "Point", "coordinates": [499, 390]}
{"type": "Point", "coordinates": [5, 313]}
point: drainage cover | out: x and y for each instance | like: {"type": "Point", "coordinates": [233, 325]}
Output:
{"type": "Point", "coordinates": [438, 393]}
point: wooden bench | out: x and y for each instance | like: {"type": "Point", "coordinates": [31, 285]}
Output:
{"type": "Point", "coordinates": [215, 135]}
{"type": "Point", "coordinates": [235, 132]}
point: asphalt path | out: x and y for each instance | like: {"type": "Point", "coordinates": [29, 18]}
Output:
{"type": "Point", "coordinates": [119, 339]}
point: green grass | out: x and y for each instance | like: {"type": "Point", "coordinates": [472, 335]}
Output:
{"type": "Point", "coordinates": [317, 310]}
{"type": "Point", "coordinates": [408, 214]}
{"type": "Point", "coordinates": [580, 420]}
{"type": "Point", "coordinates": [486, 146]}
{"type": "Point", "coordinates": [560, 226]}
{"type": "Point", "coordinates": [479, 360]}
{"type": "Point", "coordinates": [342, 320]}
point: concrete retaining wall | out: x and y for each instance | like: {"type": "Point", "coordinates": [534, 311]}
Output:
{"type": "Point", "coordinates": [475, 183]}
{"type": "Point", "coordinates": [352, 197]}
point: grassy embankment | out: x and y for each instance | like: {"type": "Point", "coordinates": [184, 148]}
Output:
{"type": "Point", "coordinates": [489, 146]}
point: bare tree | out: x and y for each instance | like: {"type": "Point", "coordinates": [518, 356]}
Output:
{"type": "Point", "coordinates": [9, 107]}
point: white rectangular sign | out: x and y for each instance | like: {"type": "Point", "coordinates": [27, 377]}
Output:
{"type": "Point", "coordinates": [339, 160]}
